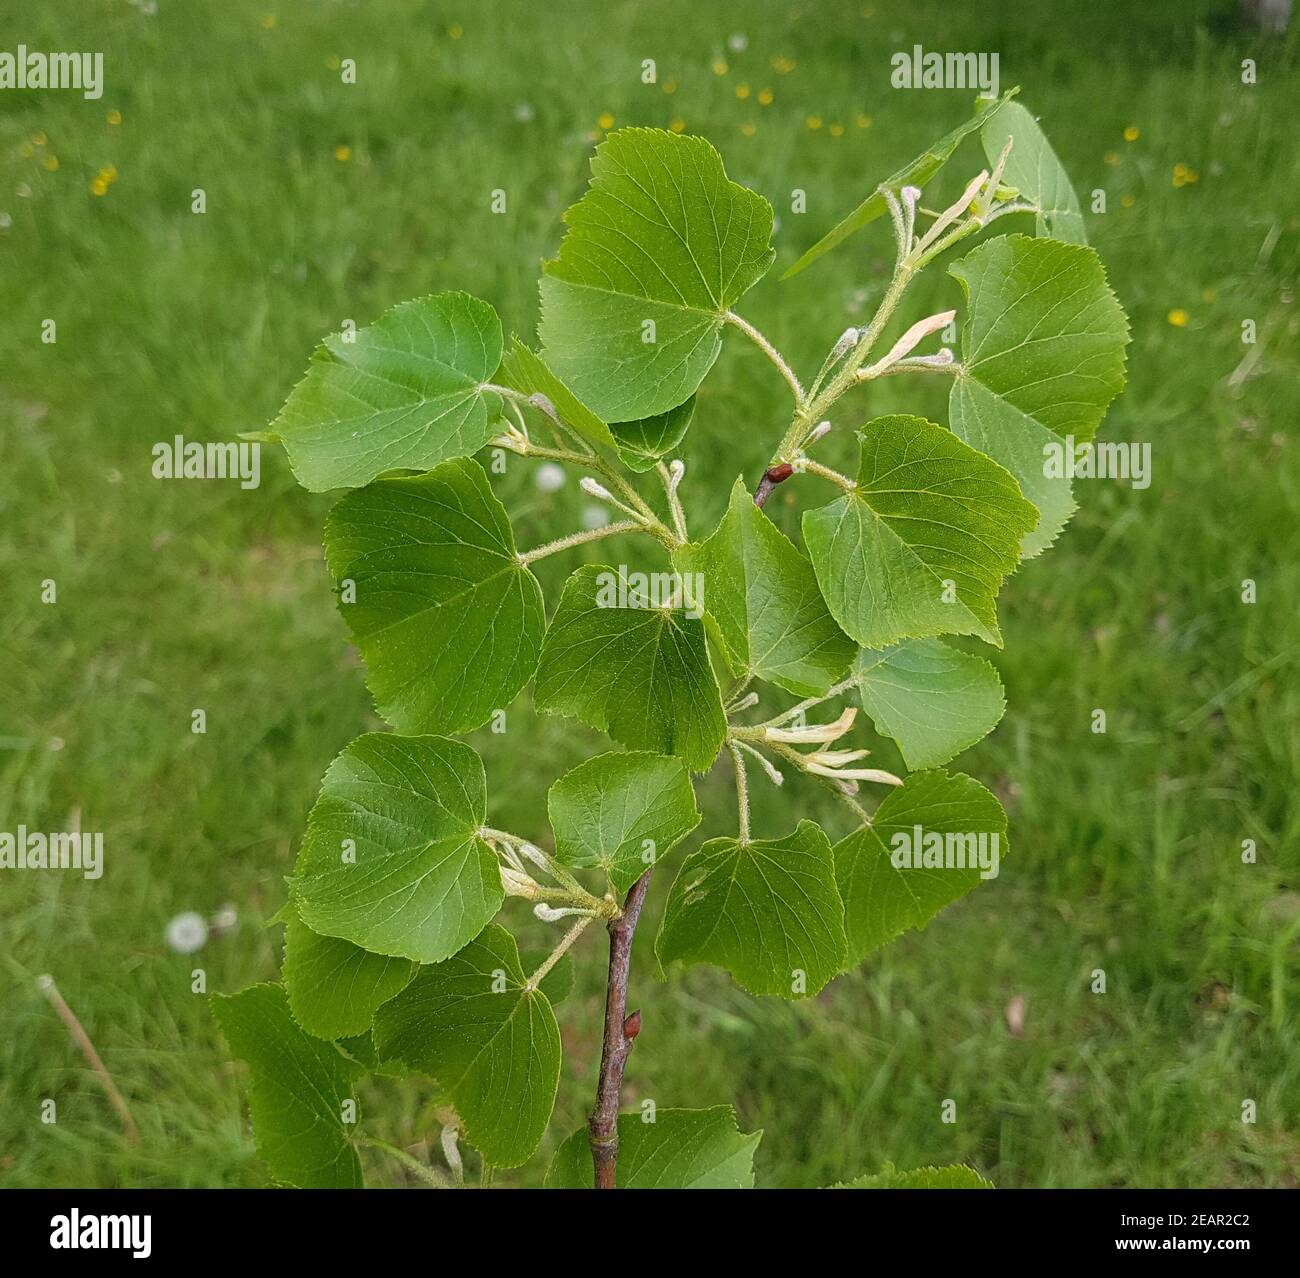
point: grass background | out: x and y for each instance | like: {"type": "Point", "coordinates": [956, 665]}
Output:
{"type": "Point", "coordinates": [326, 202]}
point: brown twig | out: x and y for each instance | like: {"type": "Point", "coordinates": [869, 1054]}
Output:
{"type": "Point", "coordinates": [82, 1040]}
{"type": "Point", "coordinates": [620, 1033]}
{"type": "Point", "coordinates": [772, 476]}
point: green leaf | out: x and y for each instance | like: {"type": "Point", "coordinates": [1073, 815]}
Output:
{"type": "Point", "coordinates": [557, 984]}
{"type": "Point", "coordinates": [641, 673]}
{"type": "Point", "coordinates": [921, 544]}
{"type": "Point", "coordinates": [996, 428]}
{"type": "Point", "coordinates": [403, 394]}
{"type": "Point", "coordinates": [614, 810]}
{"type": "Point", "coordinates": [917, 173]}
{"type": "Point", "coordinates": [1033, 169]}
{"type": "Point", "coordinates": [1042, 357]}
{"type": "Point", "coordinates": [335, 986]}
{"type": "Point", "coordinates": [661, 236]}
{"type": "Point", "coordinates": [449, 622]}
{"type": "Point", "coordinates": [491, 1042]}
{"type": "Point", "coordinates": [1043, 331]}
{"type": "Point", "coordinates": [931, 698]}
{"type": "Point", "coordinates": [761, 593]}
{"type": "Point", "coordinates": [299, 1084]}
{"type": "Point", "coordinates": [642, 444]}
{"type": "Point", "coordinates": [955, 1176]}
{"type": "Point", "coordinates": [883, 900]}
{"type": "Point", "coordinates": [681, 1149]}
{"type": "Point", "coordinates": [392, 860]}
{"type": "Point", "coordinates": [526, 371]}
{"type": "Point", "coordinates": [767, 911]}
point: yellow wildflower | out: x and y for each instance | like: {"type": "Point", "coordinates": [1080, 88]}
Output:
{"type": "Point", "coordinates": [862, 121]}
{"type": "Point", "coordinates": [765, 97]}
{"type": "Point", "coordinates": [719, 66]}
{"type": "Point", "coordinates": [342, 153]}
{"type": "Point", "coordinates": [749, 128]}
{"type": "Point", "coordinates": [678, 125]}
{"type": "Point", "coordinates": [456, 31]}
{"type": "Point", "coordinates": [837, 130]}
{"type": "Point", "coordinates": [99, 187]}
{"type": "Point", "coordinates": [1177, 317]}
{"type": "Point", "coordinates": [114, 117]}
{"type": "Point", "coordinates": [51, 162]}
{"type": "Point", "coordinates": [1131, 134]}
{"type": "Point", "coordinates": [606, 121]}
{"type": "Point", "coordinates": [742, 91]}
{"type": "Point", "coordinates": [814, 122]}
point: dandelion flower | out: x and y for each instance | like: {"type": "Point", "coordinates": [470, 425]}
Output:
{"type": "Point", "coordinates": [814, 122]}
{"type": "Point", "coordinates": [862, 121]}
{"type": "Point", "coordinates": [1131, 134]}
{"type": "Point", "coordinates": [51, 163]}
{"type": "Point", "coordinates": [99, 187]}
{"type": "Point", "coordinates": [114, 117]}
{"type": "Point", "coordinates": [456, 31]}
{"type": "Point", "coordinates": [1177, 317]}
{"type": "Point", "coordinates": [719, 66]}
{"type": "Point", "coordinates": [342, 153]}
{"type": "Point", "coordinates": [606, 121]}
{"type": "Point", "coordinates": [742, 91]}
{"type": "Point", "coordinates": [670, 84]}
{"type": "Point", "coordinates": [187, 933]}
{"type": "Point", "coordinates": [837, 130]}
{"type": "Point", "coordinates": [678, 125]}
{"type": "Point", "coordinates": [749, 128]}
{"type": "Point", "coordinates": [765, 97]}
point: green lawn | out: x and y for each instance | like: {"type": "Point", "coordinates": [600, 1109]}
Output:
{"type": "Point", "coordinates": [327, 201]}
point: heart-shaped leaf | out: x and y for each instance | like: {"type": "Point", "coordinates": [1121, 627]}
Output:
{"type": "Point", "coordinates": [333, 985]}
{"type": "Point", "coordinates": [643, 444]}
{"type": "Point", "coordinates": [638, 671]}
{"type": "Point", "coordinates": [1033, 169]}
{"type": "Point", "coordinates": [1042, 358]}
{"type": "Point", "coordinates": [448, 620]}
{"type": "Point", "coordinates": [403, 393]}
{"type": "Point", "coordinates": [932, 698]}
{"type": "Point", "coordinates": [762, 594]}
{"type": "Point", "coordinates": [768, 911]}
{"type": "Point", "coordinates": [527, 372]}
{"type": "Point", "coordinates": [658, 250]}
{"type": "Point", "coordinates": [921, 852]}
{"type": "Point", "coordinates": [392, 860]}
{"type": "Point", "coordinates": [492, 1042]}
{"type": "Point", "coordinates": [921, 544]}
{"type": "Point", "coordinates": [680, 1149]}
{"type": "Point", "coordinates": [299, 1084]}
{"type": "Point", "coordinates": [621, 812]}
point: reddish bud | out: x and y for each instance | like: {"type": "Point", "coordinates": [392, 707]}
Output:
{"type": "Point", "coordinates": [779, 474]}
{"type": "Point", "coordinates": [632, 1025]}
